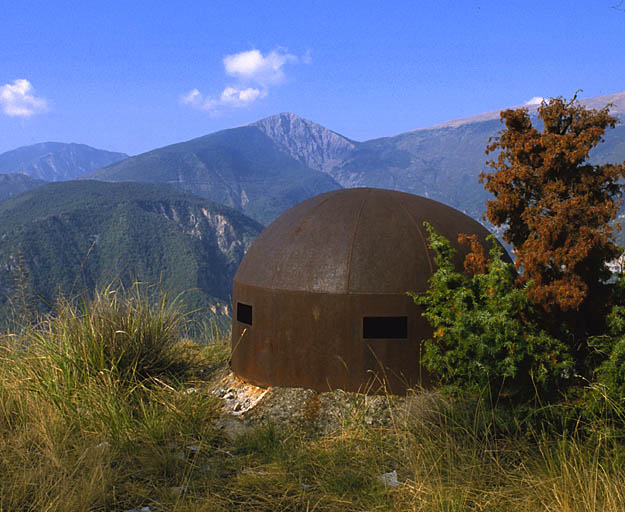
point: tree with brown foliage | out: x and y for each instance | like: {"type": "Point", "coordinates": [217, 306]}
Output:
{"type": "Point", "coordinates": [556, 207]}
{"type": "Point", "coordinates": [476, 261]}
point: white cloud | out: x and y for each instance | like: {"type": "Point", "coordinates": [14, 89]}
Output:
{"type": "Point", "coordinates": [255, 74]}
{"type": "Point", "coordinates": [255, 67]}
{"type": "Point", "coordinates": [192, 97]}
{"type": "Point", "coordinates": [230, 96]}
{"type": "Point", "coordinates": [536, 100]}
{"type": "Point", "coordinates": [240, 97]}
{"type": "Point", "coordinates": [17, 99]}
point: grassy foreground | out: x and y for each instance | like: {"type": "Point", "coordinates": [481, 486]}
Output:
{"type": "Point", "coordinates": [105, 406]}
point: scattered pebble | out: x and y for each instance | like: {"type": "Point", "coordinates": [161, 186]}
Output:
{"type": "Point", "coordinates": [255, 471]}
{"type": "Point", "coordinates": [389, 479]}
{"type": "Point", "coordinates": [246, 406]}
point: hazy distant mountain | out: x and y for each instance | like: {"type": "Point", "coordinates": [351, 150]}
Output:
{"type": "Point", "coordinates": [241, 167]}
{"type": "Point", "coordinates": [56, 161]}
{"type": "Point", "coordinates": [443, 162]}
{"type": "Point", "coordinates": [15, 183]}
{"type": "Point", "coordinates": [70, 237]}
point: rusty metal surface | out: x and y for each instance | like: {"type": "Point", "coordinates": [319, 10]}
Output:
{"type": "Point", "coordinates": [322, 266]}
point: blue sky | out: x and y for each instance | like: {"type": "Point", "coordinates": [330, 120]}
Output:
{"type": "Point", "coordinates": [132, 76]}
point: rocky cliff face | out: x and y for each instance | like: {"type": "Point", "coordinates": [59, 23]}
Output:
{"type": "Point", "coordinates": [213, 228]}
{"type": "Point", "coordinates": [56, 161]}
{"type": "Point", "coordinates": [308, 142]}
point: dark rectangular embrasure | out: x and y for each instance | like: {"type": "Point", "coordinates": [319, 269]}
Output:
{"type": "Point", "coordinates": [375, 327]}
{"type": "Point", "coordinates": [244, 313]}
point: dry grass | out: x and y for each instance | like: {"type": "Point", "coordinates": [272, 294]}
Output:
{"type": "Point", "coordinates": [90, 420]}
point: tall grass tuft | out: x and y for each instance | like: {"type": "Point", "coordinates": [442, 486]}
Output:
{"type": "Point", "coordinates": [94, 411]}
{"type": "Point", "coordinates": [115, 331]}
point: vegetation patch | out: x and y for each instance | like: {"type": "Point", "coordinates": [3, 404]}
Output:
{"type": "Point", "coordinates": [92, 422]}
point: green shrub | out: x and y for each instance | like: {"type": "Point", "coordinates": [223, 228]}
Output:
{"type": "Point", "coordinates": [484, 335]}
{"type": "Point", "coordinates": [611, 349]}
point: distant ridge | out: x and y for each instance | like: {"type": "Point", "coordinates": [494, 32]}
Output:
{"type": "Point", "coordinates": [265, 167]}
{"type": "Point", "coordinates": [598, 102]}
{"type": "Point", "coordinates": [15, 183]}
{"type": "Point", "coordinates": [56, 161]}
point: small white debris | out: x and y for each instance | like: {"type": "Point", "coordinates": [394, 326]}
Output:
{"type": "Point", "coordinates": [103, 444]}
{"type": "Point", "coordinates": [142, 509]}
{"type": "Point", "coordinates": [190, 391]}
{"type": "Point", "coordinates": [389, 479]}
{"type": "Point", "coordinates": [255, 472]}
{"type": "Point", "coordinates": [193, 448]}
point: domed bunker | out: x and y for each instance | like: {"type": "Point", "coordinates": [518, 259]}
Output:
{"type": "Point", "coordinates": [320, 298]}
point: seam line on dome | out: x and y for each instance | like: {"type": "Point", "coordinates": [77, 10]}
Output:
{"type": "Point", "coordinates": [423, 239]}
{"type": "Point", "coordinates": [308, 292]}
{"type": "Point", "coordinates": [351, 246]}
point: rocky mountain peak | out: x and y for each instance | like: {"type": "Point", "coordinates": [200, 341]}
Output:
{"type": "Point", "coordinates": [308, 142]}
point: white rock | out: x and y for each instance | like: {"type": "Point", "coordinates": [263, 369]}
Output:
{"type": "Point", "coordinates": [389, 479]}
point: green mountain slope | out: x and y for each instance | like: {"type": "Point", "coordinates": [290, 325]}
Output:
{"type": "Point", "coordinates": [241, 167]}
{"type": "Point", "coordinates": [56, 161]}
{"type": "Point", "coordinates": [442, 164]}
{"type": "Point", "coordinates": [73, 236]}
{"type": "Point", "coordinates": [14, 184]}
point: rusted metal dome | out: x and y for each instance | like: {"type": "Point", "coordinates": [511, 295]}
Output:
{"type": "Point", "coordinates": [320, 298]}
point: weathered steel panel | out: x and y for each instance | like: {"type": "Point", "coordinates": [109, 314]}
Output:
{"type": "Point", "coordinates": [318, 270]}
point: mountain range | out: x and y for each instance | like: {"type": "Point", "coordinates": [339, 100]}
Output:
{"type": "Point", "coordinates": [266, 166]}
{"type": "Point", "coordinates": [441, 162]}
{"type": "Point", "coordinates": [182, 221]}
